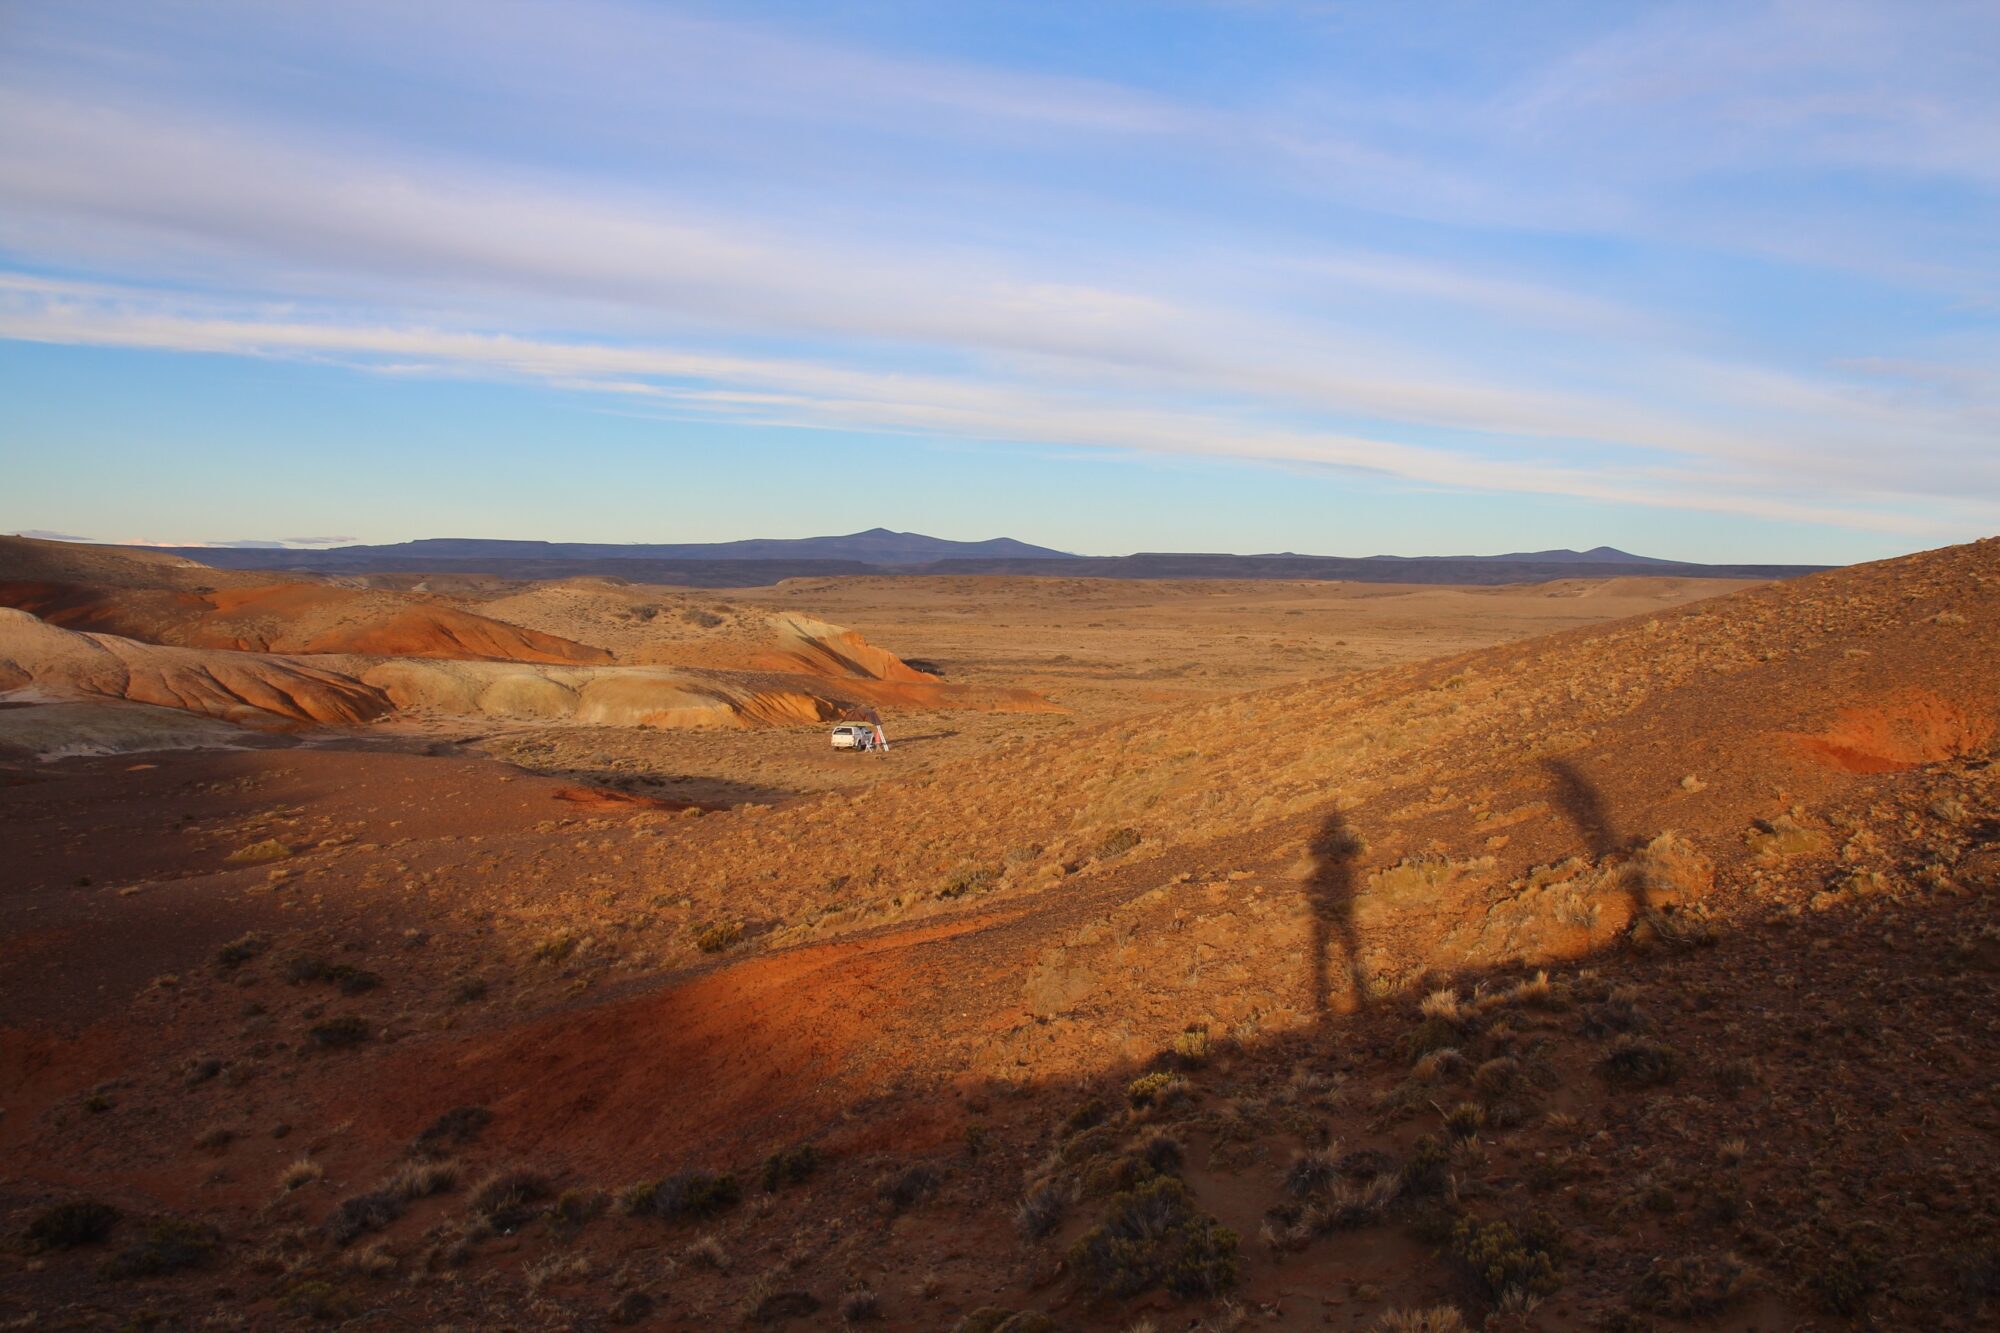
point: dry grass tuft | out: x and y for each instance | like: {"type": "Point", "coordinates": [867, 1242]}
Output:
{"type": "Point", "coordinates": [1436, 1319]}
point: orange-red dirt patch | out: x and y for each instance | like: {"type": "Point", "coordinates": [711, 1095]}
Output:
{"type": "Point", "coordinates": [1915, 728]}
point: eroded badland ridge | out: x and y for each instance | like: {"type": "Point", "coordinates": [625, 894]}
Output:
{"type": "Point", "coordinates": [1631, 975]}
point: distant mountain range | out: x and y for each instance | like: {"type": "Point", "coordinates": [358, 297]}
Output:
{"type": "Point", "coordinates": [879, 551]}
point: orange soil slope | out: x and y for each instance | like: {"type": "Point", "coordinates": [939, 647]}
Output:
{"type": "Point", "coordinates": [1256, 867]}
{"type": "Point", "coordinates": [1316, 847]}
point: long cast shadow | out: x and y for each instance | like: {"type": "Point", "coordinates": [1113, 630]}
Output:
{"type": "Point", "coordinates": [1581, 801]}
{"type": "Point", "coordinates": [1330, 901]}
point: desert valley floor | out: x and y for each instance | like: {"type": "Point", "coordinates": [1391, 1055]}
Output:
{"type": "Point", "coordinates": [460, 953]}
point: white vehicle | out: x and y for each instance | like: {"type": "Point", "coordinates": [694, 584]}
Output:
{"type": "Point", "coordinates": [854, 736]}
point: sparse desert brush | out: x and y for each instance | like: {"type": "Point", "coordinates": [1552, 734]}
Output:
{"type": "Point", "coordinates": [1841, 1268]}
{"type": "Point", "coordinates": [65, 1226]}
{"type": "Point", "coordinates": [1043, 1208]}
{"type": "Point", "coordinates": [706, 1252]}
{"type": "Point", "coordinates": [1357, 1203]}
{"type": "Point", "coordinates": [169, 1245]}
{"type": "Point", "coordinates": [302, 969]}
{"type": "Point", "coordinates": [1499, 1259]}
{"type": "Point", "coordinates": [241, 950]}
{"type": "Point", "coordinates": [1691, 1287]}
{"type": "Point", "coordinates": [1499, 1076]}
{"type": "Point", "coordinates": [792, 1166]}
{"type": "Point", "coordinates": [215, 1138]}
{"type": "Point", "coordinates": [969, 879]}
{"type": "Point", "coordinates": [1442, 1063]}
{"type": "Point", "coordinates": [718, 937]}
{"type": "Point", "coordinates": [1312, 1171]}
{"type": "Point", "coordinates": [372, 1260]}
{"type": "Point", "coordinates": [422, 1177]}
{"type": "Point", "coordinates": [994, 1319]}
{"type": "Point", "coordinates": [1115, 843]}
{"type": "Point", "coordinates": [316, 1298]}
{"type": "Point", "coordinates": [359, 1214]}
{"type": "Point", "coordinates": [1464, 1120]}
{"type": "Point", "coordinates": [558, 947]}
{"type": "Point", "coordinates": [909, 1187]}
{"type": "Point", "coordinates": [301, 1173]}
{"type": "Point", "coordinates": [576, 1209]}
{"type": "Point", "coordinates": [1638, 1062]}
{"type": "Point", "coordinates": [1162, 1152]}
{"type": "Point", "coordinates": [455, 1128]}
{"type": "Point", "coordinates": [1089, 1115]}
{"type": "Point", "coordinates": [469, 990]}
{"type": "Point", "coordinates": [1436, 1319]}
{"type": "Point", "coordinates": [334, 1033]}
{"type": "Point", "coordinates": [1156, 1236]}
{"type": "Point", "coordinates": [1673, 870]}
{"type": "Point", "coordinates": [553, 1268]}
{"type": "Point", "coordinates": [1732, 1151]}
{"type": "Point", "coordinates": [1429, 1168]}
{"type": "Point", "coordinates": [1157, 1089]}
{"type": "Point", "coordinates": [1442, 1004]}
{"type": "Point", "coordinates": [860, 1307]}
{"type": "Point", "coordinates": [508, 1200]}
{"type": "Point", "coordinates": [692, 1194]}
{"type": "Point", "coordinates": [1537, 993]}
{"type": "Point", "coordinates": [1191, 1048]}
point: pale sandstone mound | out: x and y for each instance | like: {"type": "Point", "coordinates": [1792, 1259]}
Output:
{"type": "Point", "coordinates": [291, 618]}
{"type": "Point", "coordinates": [260, 689]}
{"type": "Point", "coordinates": [806, 644]}
{"type": "Point", "coordinates": [245, 688]}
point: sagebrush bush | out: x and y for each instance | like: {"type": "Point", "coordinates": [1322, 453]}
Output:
{"type": "Point", "coordinates": [1155, 1236]}
{"type": "Point", "coordinates": [790, 1166]}
{"type": "Point", "coordinates": [346, 1030]}
{"type": "Point", "coordinates": [1042, 1209]}
{"type": "Point", "coordinates": [360, 1214]}
{"type": "Point", "coordinates": [1116, 843]}
{"type": "Point", "coordinates": [1639, 1062]}
{"type": "Point", "coordinates": [1312, 1172]}
{"type": "Point", "coordinates": [718, 937]}
{"type": "Point", "coordinates": [509, 1200]}
{"type": "Point", "coordinates": [969, 879]}
{"type": "Point", "coordinates": [68, 1225]}
{"type": "Point", "coordinates": [455, 1128]}
{"type": "Point", "coordinates": [688, 1195]}
{"type": "Point", "coordinates": [1499, 1259]}
{"type": "Point", "coordinates": [241, 950]}
{"type": "Point", "coordinates": [1691, 1287]}
{"type": "Point", "coordinates": [170, 1244]}
{"type": "Point", "coordinates": [909, 1187]}
{"type": "Point", "coordinates": [1159, 1089]}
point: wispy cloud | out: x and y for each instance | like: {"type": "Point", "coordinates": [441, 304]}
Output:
{"type": "Point", "coordinates": [806, 393]}
{"type": "Point", "coordinates": [1528, 280]}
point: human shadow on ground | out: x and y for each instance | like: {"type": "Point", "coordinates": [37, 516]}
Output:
{"type": "Point", "coordinates": [1330, 901]}
{"type": "Point", "coordinates": [1581, 801]}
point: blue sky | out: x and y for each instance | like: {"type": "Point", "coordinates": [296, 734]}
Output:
{"type": "Point", "coordinates": [1711, 281]}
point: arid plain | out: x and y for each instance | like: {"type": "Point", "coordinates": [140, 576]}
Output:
{"type": "Point", "coordinates": [452, 952]}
